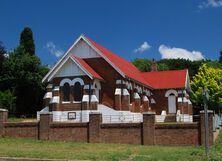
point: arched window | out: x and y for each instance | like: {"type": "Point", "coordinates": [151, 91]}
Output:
{"type": "Point", "coordinates": [77, 92]}
{"type": "Point", "coordinates": [66, 92]}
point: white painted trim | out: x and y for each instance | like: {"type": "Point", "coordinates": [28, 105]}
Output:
{"type": "Point", "coordinates": [65, 80]}
{"type": "Point", "coordinates": [125, 92]}
{"type": "Point", "coordinates": [76, 102]}
{"type": "Point", "coordinates": [85, 98]}
{"type": "Point", "coordinates": [145, 98]}
{"type": "Point", "coordinates": [48, 95]}
{"type": "Point", "coordinates": [66, 102]}
{"type": "Point", "coordinates": [117, 91]}
{"type": "Point", "coordinates": [54, 99]}
{"type": "Point", "coordinates": [152, 101]}
{"type": "Point", "coordinates": [56, 88]}
{"type": "Point", "coordinates": [82, 68]}
{"type": "Point", "coordinates": [77, 80]}
{"type": "Point", "coordinates": [49, 86]}
{"type": "Point", "coordinates": [171, 91]}
{"type": "Point", "coordinates": [63, 57]}
{"type": "Point", "coordinates": [136, 96]}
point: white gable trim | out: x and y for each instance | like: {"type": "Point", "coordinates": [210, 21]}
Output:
{"type": "Point", "coordinates": [83, 69]}
{"type": "Point", "coordinates": [69, 51]}
{"type": "Point", "coordinates": [63, 57]}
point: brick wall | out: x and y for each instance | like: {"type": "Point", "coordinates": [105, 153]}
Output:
{"type": "Point", "coordinates": [22, 130]}
{"type": "Point", "coordinates": [110, 75]}
{"type": "Point", "coordinates": [147, 133]}
{"type": "Point", "coordinates": [177, 134]}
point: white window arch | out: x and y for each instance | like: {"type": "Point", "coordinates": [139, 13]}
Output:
{"type": "Point", "coordinates": [171, 91]}
{"type": "Point", "coordinates": [65, 80]}
{"type": "Point", "coordinates": [77, 80]}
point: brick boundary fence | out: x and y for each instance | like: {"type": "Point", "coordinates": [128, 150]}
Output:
{"type": "Point", "coordinates": [146, 133]}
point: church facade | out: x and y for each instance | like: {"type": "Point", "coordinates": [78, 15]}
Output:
{"type": "Point", "coordinates": [90, 77]}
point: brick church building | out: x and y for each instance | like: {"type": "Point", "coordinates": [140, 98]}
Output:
{"type": "Point", "coordinates": [89, 77]}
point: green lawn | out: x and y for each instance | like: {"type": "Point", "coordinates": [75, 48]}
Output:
{"type": "Point", "coordinates": [10, 147]}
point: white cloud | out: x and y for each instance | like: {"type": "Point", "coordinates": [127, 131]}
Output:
{"type": "Point", "coordinates": [51, 47]}
{"type": "Point", "coordinates": [210, 3]}
{"type": "Point", "coordinates": [145, 46]}
{"type": "Point", "coordinates": [175, 53]}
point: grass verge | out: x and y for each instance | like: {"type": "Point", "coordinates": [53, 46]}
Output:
{"type": "Point", "coordinates": [11, 147]}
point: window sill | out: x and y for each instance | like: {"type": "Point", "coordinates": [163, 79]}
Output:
{"type": "Point", "coordinates": [76, 102]}
{"type": "Point", "coordinates": [65, 102]}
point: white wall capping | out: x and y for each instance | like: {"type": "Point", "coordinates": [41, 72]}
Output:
{"type": "Point", "coordinates": [49, 86]}
{"type": "Point", "coordinates": [187, 100]}
{"type": "Point", "coordinates": [56, 88]}
{"type": "Point", "coordinates": [125, 92]}
{"type": "Point", "coordinates": [117, 91]}
{"type": "Point", "coordinates": [54, 99]}
{"type": "Point", "coordinates": [118, 81]}
{"type": "Point", "coordinates": [153, 101]}
{"type": "Point", "coordinates": [171, 91]}
{"type": "Point", "coordinates": [85, 98]}
{"type": "Point", "coordinates": [145, 98]}
{"type": "Point", "coordinates": [48, 95]}
{"type": "Point", "coordinates": [136, 96]}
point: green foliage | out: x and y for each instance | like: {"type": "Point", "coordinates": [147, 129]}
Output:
{"type": "Point", "coordinates": [26, 41]}
{"type": "Point", "coordinates": [212, 79]}
{"type": "Point", "coordinates": [220, 58]}
{"type": "Point", "coordinates": [22, 73]}
{"type": "Point", "coordinates": [142, 64]}
{"type": "Point", "coordinates": [169, 64]}
{"type": "Point", "coordinates": [7, 101]}
{"type": "Point", "coordinates": [2, 51]}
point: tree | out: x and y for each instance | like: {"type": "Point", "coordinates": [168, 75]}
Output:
{"type": "Point", "coordinates": [212, 79]}
{"type": "Point", "coordinates": [2, 51]}
{"type": "Point", "coordinates": [2, 55]}
{"type": "Point", "coordinates": [142, 64]}
{"type": "Point", "coordinates": [26, 41]}
{"type": "Point", "coordinates": [220, 58]}
{"type": "Point", "coordinates": [22, 73]}
{"type": "Point", "coordinates": [7, 101]}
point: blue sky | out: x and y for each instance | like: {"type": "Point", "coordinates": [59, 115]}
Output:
{"type": "Point", "coordinates": [131, 28]}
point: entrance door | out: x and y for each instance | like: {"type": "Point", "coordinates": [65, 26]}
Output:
{"type": "Point", "coordinates": [171, 104]}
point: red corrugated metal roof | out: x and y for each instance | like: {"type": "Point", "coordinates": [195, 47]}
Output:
{"type": "Point", "coordinates": [86, 67]}
{"type": "Point", "coordinates": [123, 65]}
{"type": "Point", "coordinates": [166, 79]}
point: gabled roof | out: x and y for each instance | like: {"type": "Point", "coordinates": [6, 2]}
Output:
{"type": "Point", "coordinates": [86, 67]}
{"type": "Point", "coordinates": [127, 68]}
{"type": "Point", "coordinates": [167, 79]}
